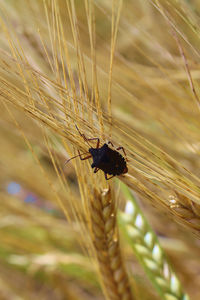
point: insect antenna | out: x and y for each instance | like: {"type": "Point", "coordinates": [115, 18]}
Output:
{"type": "Point", "coordinates": [79, 155]}
{"type": "Point", "coordinates": [83, 136]}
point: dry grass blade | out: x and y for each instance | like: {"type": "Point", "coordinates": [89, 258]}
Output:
{"type": "Point", "coordinates": [185, 211]}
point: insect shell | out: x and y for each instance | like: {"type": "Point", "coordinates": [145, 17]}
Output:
{"type": "Point", "coordinates": [108, 160]}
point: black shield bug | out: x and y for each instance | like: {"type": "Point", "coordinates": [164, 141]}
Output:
{"type": "Point", "coordinates": [110, 161]}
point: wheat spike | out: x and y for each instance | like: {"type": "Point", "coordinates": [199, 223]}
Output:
{"type": "Point", "coordinates": [106, 242]}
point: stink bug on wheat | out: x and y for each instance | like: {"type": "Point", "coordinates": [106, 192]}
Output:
{"type": "Point", "coordinates": [110, 161]}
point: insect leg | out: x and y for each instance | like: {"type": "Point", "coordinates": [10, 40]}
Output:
{"type": "Point", "coordinates": [109, 142]}
{"type": "Point", "coordinates": [106, 176]}
{"type": "Point", "coordinates": [119, 148]}
{"type": "Point", "coordinates": [86, 139]}
{"type": "Point", "coordinates": [96, 170]}
{"type": "Point", "coordinates": [122, 148]}
{"type": "Point", "coordinates": [84, 157]}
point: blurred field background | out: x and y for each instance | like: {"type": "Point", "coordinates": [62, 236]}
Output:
{"type": "Point", "coordinates": [125, 71]}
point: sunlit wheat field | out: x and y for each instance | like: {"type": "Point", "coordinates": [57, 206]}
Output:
{"type": "Point", "coordinates": [125, 72]}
